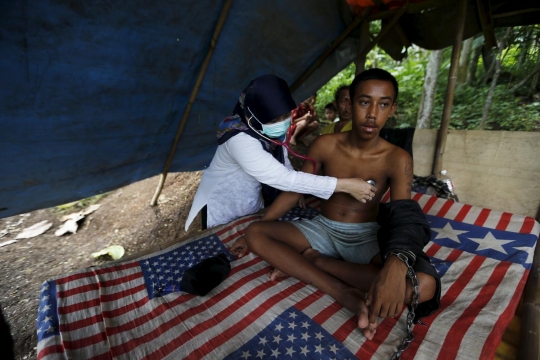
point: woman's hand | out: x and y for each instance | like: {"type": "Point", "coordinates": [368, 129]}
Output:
{"type": "Point", "coordinates": [357, 188]}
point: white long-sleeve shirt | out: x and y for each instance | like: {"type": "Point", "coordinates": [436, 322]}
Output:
{"type": "Point", "coordinates": [231, 186]}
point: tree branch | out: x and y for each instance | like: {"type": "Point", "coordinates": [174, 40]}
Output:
{"type": "Point", "coordinates": [518, 85]}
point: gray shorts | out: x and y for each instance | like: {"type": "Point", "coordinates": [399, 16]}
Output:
{"type": "Point", "coordinates": [352, 242]}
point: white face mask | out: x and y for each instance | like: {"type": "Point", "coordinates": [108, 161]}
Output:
{"type": "Point", "coordinates": [276, 130]}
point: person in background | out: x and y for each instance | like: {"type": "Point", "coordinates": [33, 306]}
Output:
{"type": "Point", "coordinates": [343, 105]}
{"type": "Point", "coordinates": [306, 121]}
{"type": "Point", "coordinates": [330, 113]}
{"type": "Point", "coordinates": [249, 170]}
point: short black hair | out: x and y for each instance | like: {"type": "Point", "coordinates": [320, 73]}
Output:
{"type": "Point", "coordinates": [342, 87]}
{"type": "Point", "coordinates": [374, 74]}
{"type": "Point", "coordinates": [330, 106]}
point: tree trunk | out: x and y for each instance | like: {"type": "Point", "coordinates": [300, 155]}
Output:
{"type": "Point", "coordinates": [489, 64]}
{"type": "Point", "coordinates": [524, 48]}
{"type": "Point", "coordinates": [497, 66]}
{"type": "Point", "coordinates": [464, 60]}
{"type": "Point", "coordinates": [430, 86]}
{"type": "Point", "coordinates": [471, 74]}
{"type": "Point", "coordinates": [533, 86]}
{"type": "Point", "coordinates": [535, 79]}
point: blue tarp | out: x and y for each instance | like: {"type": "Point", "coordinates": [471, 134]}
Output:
{"type": "Point", "coordinates": [92, 92]}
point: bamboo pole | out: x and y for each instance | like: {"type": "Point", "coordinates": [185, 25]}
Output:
{"type": "Point", "coordinates": [194, 92]}
{"type": "Point", "coordinates": [331, 48]}
{"type": "Point", "coordinates": [530, 316]}
{"type": "Point", "coordinates": [452, 78]}
{"type": "Point", "coordinates": [363, 42]}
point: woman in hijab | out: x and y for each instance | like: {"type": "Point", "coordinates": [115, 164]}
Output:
{"type": "Point", "coordinates": [248, 172]}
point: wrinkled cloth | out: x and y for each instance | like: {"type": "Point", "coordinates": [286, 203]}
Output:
{"type": "Point", "coordinates": [403, 226]}
{"type": "Point", "coordinates": [352, 242]}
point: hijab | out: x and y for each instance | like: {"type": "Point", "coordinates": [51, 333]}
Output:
{"type": "Point", "coordinates": [267, 97]}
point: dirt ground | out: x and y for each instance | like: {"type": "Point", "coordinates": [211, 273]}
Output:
{"type": "Point", "coordinates": [125, 218]}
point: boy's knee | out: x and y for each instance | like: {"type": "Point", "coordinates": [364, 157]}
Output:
{"type": "Point", "coordinates": [252, 231]}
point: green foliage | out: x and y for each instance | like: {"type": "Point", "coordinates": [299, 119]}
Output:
{"type": "Point", "coordinates": [410, 77]}
{"type": "Point", "coordinates": [518, 111]}
{"type": "Point", "coordinates": [326, 94]}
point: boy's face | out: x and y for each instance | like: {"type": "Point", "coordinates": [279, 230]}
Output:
{"type": "Point", "coordinates": [330, 114]}
{"type": "Point", "coordinates": [372, 105]}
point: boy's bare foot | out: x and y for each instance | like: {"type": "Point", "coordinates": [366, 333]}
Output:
{"type": "Point", "coordinates": [239, 248]}
{"type": "Point", "coordinates": [354, 300]}
{"type": "Point", "coordinates": [276, 274]}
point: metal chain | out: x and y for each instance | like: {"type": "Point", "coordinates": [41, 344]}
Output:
{"type": "Point", "coordinates": [414, 303]}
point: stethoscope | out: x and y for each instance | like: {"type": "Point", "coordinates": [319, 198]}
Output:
{"type": "Point", "coordinates": [290, 132]}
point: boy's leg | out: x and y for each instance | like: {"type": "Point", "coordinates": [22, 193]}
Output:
{"type": "Point", "coordinates": [281, 245]}
{"type": "Point", "coordinates": [361, 276]}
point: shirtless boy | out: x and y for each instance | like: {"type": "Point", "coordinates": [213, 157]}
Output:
{"type": "Point", "coordinates": [337, 252]}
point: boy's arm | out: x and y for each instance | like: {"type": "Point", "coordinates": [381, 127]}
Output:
{"type": "Point", "coordinates": [401, 177]}
{"type": "Point", "coordinates": [387, 292]}
{"type": "Point", "coordinates": [283, 203]}
{"type": "Point", "coordinates": [287, 200]}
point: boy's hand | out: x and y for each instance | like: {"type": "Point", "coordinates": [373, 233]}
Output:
{"type": "Point", "coordinates": [387, 293]}
{"type": "Point", "coordinates": [302, 202]}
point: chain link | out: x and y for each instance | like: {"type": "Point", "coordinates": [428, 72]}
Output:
{"type": "Point", "coordinates": [414, 303]}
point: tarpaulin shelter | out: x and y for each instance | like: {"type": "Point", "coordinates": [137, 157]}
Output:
{"type": "Point", "coordinates": [93, 93]}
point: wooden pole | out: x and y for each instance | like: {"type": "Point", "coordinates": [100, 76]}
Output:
{"type": "Point", "coordinates": [194, 92]}
{"type": "Point", "coordinates": [384, 30]}
{"type": "Point", "coordinates": [514, 13]}
{"type": "Point", "coordinates": [530, 317]}
{"type": "Point", "coordinates": [486, 22]}
{"type": "Point", "coordinates": [331, 48]}
{"type": "Point", "coordinates": [451, 86]}
{"type": "Point", "coordinates": [363, 42]}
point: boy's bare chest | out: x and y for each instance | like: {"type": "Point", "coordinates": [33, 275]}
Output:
{"type": "Point", "coordinates": [342, 165]}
